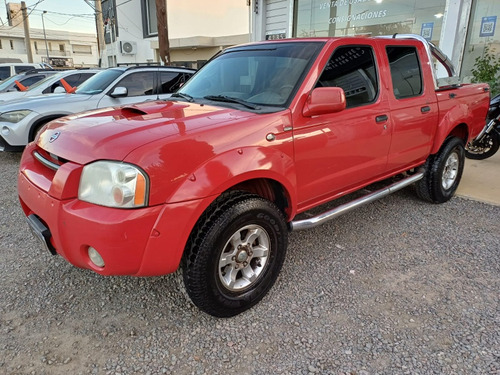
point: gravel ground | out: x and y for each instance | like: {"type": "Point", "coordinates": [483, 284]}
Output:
{"type": "Point", "coordinates": [397, 287]}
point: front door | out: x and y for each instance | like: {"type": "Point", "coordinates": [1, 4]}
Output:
{"type": "Point", "coordinates": [340, 151]}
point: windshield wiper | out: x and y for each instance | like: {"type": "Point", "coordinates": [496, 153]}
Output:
{"type": "Point", "coordinates": [189, 98]}
{"type": "Point", "coordinates": [229, 99]}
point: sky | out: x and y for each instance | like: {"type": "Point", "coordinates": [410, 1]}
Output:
{"type": "Point", "coordinates": [71, 15]}
{"type": "Point", "coordinates": [204, 19]}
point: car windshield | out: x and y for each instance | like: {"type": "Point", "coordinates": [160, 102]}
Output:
{"type": "Point", "coordinates": [98, 82]}
{"type": "Point", "coordinates": [9, 81]}
{"type": "Point", "coordinates": [263, 75]}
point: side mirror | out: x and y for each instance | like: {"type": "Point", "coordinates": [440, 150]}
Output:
{"type": "Point", "coordinates": [119, 92]}
{"type": "Point", "coordinates": [323, 100]}
{"type": "Point", "coordinates": [59, 90]}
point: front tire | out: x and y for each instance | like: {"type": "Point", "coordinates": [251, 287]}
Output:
{"type": "Point", "coordinates": [443, 172]}
{"type": "Point", "coordinates": [235, 254]}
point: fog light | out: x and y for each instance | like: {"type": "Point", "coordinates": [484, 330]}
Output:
{"type": "Point", "coordinates": [95, 257]}
{"type": "Point", "coordinates": [5, 130]}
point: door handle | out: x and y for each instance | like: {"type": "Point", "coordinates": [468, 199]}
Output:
{"type": "Point", "coordinates": [381, 118]}
{"type": "Point", "coordinates": [425, 109]}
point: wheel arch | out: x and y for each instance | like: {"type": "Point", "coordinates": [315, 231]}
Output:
{"type": "Point", "coordinates": [461, 131]}
{"type": "Point", "coordinates": [40, 122]}
{"type": "Point", "coordinates": [269, 174]}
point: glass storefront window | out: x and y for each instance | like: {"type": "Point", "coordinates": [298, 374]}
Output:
{"type": "Point", "coordinates": [319, 18]}
{"type": "Point", "coordinates": [483, 34]}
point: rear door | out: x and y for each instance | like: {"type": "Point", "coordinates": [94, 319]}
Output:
{"type": "Point", "coordinates": [337, 152]}
{"type": "Point", "coordinates": [413, 104]}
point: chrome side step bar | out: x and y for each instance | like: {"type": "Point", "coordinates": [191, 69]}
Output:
{"type": "Point", "coordinates": [344, 208]}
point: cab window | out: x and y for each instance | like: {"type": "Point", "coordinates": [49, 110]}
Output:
{"type": "Point", "coordinates": [405, 71]}
{"type": "Point", "coordinates": [353, 69]}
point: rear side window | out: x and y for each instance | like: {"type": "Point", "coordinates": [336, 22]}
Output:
{"type": "Point", "coordinates": [405, 71]}
{"type": "Point", "coordinates": [353, 69]}
{"type": "Point", "coordinates": [31, 80]}
{"type": "Point", "coordinates": [4, 72]}
{"type": "Point", "coordinates": [171, 81]}
{"type": "Point", "coordinates": [21, 68]}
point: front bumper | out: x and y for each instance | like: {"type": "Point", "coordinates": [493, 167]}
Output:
{"type": "Point", "coordinates": [5, 146]}
{"type": "Point", "coordinates": [17, 134]}
{"type": "Point", "coordinates": [139, 242]}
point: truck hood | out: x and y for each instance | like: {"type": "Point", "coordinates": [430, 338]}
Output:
{"type": "Point", "coordinates": [113, 133]}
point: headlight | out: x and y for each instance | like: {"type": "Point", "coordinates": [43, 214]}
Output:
{"type": "Point", "coordinates": [113, 184]}
{"type": "Point", "coordinates": [14, 116]}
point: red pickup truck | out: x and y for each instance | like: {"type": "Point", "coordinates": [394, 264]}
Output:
{"type": "Point", "coordinates": [213, 179]}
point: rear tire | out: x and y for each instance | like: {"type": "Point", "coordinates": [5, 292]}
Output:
{"type": "Point", "coordinates": [235, 254]}
{"type": "Point", "coordinates": [443, 172]}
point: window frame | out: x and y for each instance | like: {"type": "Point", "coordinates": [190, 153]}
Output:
{"type": "Point", "coordinates": [146, 21]}
{"type": "Point", "coordinates": [422, 88]}
{"type": "Point", "coordinates": [376, 73]}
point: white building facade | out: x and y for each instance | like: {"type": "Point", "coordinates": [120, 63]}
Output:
{"type": "Point", "coordinates": [62, 49]}
{"type": "Point", "coordinates": [131, 31]}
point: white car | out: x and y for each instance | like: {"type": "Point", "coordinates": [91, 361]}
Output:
{"type": "Point", "coordinates": [9, 69]}
{"type": "Point", "coordinates": [25, 79]}
{"type": "Point", "coordinates": [22, 119]}
{"type": "Point", "coordinates": [50, 84]}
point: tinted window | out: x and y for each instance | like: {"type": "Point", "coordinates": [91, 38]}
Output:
{"type": "Point", "coordinates": [171, 81]}
{"type": "Point", "coordinates": [4, 72]}
{"type": "Point", "coordinates": [138, 84]}
{"type": "Point", "coordinates": [83, 77]}
{"type": "Point", "coordinates": [405, 71]}
{"type": "Point", "coordinates": [353, 69]}
{"type": "Point", "coordinates": [20, 69]}
{"type": "Point", "coordinates": [28, 81]}
{"type": "Point", "coordinates": [73, 79]}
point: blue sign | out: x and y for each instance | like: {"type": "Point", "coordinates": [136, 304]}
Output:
{"type": "Point", "coordinates": [488, 25]}
{"type": "Point", "coordinates": [426, 30]}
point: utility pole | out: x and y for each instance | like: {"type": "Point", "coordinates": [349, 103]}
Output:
{"type": "Point", "coordinates": [101, 44]}
{"type": "Point", "coordinates": [27, 38]}
{"type": "Point", "coordinates": [163, 43]}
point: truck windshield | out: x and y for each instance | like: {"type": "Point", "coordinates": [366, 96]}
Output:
{"type": "Point", "coordinates": [264, 75]}
{"type": "Point", "coordinates": [98, 82]}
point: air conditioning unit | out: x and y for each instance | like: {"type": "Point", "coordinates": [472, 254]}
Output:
{"type": "Point", "coordinates": [128, 48]}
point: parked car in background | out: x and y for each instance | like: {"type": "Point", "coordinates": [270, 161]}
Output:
{"type": "Point", "coordinates": [50, 84]}
{"type": "Point", "coordinates": [22, 119]}
{"type": "Point", "coordinates": [9, 69]}
{"type": "Point", "coordinates": [25, 79]}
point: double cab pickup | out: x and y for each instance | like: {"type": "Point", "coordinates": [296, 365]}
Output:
{"type": "Point", "coordinates": [213, 179]}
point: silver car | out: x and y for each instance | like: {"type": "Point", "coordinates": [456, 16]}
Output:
{"type": "Point", "coordinates": [50, 84]}
{"type": "Point", "coordinates": [22, 119]}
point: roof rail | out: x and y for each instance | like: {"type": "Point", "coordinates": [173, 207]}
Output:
{"type": "Point", "coordinates": [432, 51]}
{"type": "Point", "coordinates": [38, 70]}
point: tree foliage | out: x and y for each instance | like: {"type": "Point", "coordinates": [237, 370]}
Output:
{"type": "Point", "coordinates": [487, 69]}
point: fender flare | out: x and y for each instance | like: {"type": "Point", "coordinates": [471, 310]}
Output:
{"type": "Point", "coordinates": [458, 116]}
{"type": "Point", "coordinates": [237, 166]}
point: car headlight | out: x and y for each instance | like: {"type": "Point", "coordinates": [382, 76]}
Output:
{"type": "Point", "coordinates": [113, 184]}
{"type": "Point", "coordinates": [14, 116]}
